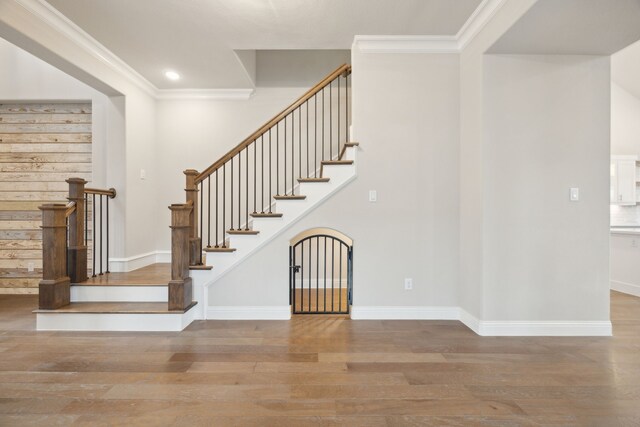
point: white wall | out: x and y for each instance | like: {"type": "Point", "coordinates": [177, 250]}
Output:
{"type": "Point", "coordinates": [625, 122]}
{"type": "Point", "coordinates": [546, 129]}
{"type": "Point", "coordinates": [409, 154]}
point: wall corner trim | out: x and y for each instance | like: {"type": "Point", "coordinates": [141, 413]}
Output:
{"type": "Point", "coordinates": [431, 44]}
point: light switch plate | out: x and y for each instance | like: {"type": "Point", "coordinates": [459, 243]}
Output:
{"type": "Point", "coordinates": [575, 194]}
{"type": "Point", "coordinates": [373, 196]}
{"type": "Point", "coordinates": [143, 174]}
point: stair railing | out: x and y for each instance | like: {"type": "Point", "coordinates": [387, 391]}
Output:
{"type": "Point", "coordinates": [268, 165]}
{"type": "Point", "coordinates": [65, 237]}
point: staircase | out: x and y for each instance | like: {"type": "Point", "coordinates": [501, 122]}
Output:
{"type": "Point", "coordinates": [235, 206]}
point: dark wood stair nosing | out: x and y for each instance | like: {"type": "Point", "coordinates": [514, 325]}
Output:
{"type": "Point", "coordinates": [219, 249]}
{"type": "Point", "coordinates": [200, 267]}
{"type": "Point", "coordinates": [266, 215]}
{"type": "Point", "coordinates": [240, 232]}
{"type": "Point", "coordinates": [336, 162]}
{"type": "Point", "coordinates": [312, 180]}
{"type": "Point", "coordinates": [295, 197]}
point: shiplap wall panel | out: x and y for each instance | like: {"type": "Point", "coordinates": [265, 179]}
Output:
{"type": "Point", "coordinates": [41, 145]}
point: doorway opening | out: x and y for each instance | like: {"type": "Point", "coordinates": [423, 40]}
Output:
{"type": "Point", "coordinates": [321, 272]}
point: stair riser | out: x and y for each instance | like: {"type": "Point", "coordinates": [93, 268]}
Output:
{"type": "Point", "coordinates": [81, 293]}
{"type": "Point", "coordinates": [114, 321]}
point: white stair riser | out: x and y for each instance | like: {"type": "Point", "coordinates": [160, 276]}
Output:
{"type": "Point", "coordinates": [108, 293]}
{"type": "Point", "coordinates": [114, 321]}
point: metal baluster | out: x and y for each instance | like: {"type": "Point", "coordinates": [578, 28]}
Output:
{"type": "Point", "coordinates": [270, 194]}
{"type": "Point", "coordinates": [209, 210]}
{"type": "Point", "coordinates": [300, 142]}
{"type": "Point", "coordinates": [292, 273]}
{"type": "Point", "coordinates": [255, 173]}
{"type": "Point", "coordinates": [86, 219]}
{"type": "Point", "coordinates": [323, 125]}
{"type": "Point", "coordinates": [338, 80]}
{"type": "Point", "coordinates": [307, 105]}
{"type": "Point", "coordinates": [278, 158]}
{"type": "Point", "coordinates": [302, 276]}
{"type": "Point", "coordinates": [310, 268]}
{"type": "Point", "coordinates": [331, 123]}
{"type": "Point", "coordinates": [201, 218]}
{"type": "Point", "coordinates": [346, 108]}
{"type": "Point", "coordinates": [324, 265]}
{"type": "Point", "coordinates": [107, 259]}
{"type": "Point", "coordinates": [93, 239]}
{"type": "Point", "coordinates": [101, 235]}
{"type": "Point", "coordinates": [224, 204]}
{"type": "Point", "coordinates": [285, 155]}
{"type": "Point", "coordinates": [262, 172]}
{"type": "Point", "coordinates": [231, 193]}
{"type": "Point", "coordinates": [333, 258]}
{"type": "Point", "coordinates": [217, 208]}
{"type": "Point", "coordinates": [246, 204]}
{"type": "Point", "coordinates": [318, 272]}
{"type": "Point", "coordinates": [293, 152]}
{"type": "Point", "coordinates": [239, 190]}
{"type": "Point", "coordinates": [315, 135]}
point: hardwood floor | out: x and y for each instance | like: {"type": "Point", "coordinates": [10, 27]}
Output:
{"type": "Point", "coordinates": [316, 370]}
{"type": "Point", "coordinates": [153, 274]}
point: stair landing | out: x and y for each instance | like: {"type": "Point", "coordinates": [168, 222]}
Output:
{"type": "Point", "coordinates": [154, 274]}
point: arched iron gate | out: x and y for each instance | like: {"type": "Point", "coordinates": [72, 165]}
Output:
{"type": "Point", "coordinates": [321, 272]}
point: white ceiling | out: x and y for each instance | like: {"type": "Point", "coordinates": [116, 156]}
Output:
{"type": "Point", "coordinates": [625, 69]}
{"type": "Point", "coordinates": [597, 27]}
{"type": "Point", "coordinates": [197, 38]}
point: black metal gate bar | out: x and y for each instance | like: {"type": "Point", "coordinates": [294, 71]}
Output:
{"type": "Point", "coordinates": [302, 268]}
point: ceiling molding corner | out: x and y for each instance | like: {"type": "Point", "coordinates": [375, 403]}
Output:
{"type": "Point", "coordinates": [205, 94]}
{"type": "Point", "coordinates": [65, 27]}
{"type": "Point", "coordinates": [431, 44]}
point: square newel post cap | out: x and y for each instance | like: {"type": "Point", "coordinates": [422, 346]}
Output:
{"type": "Point", "coordinates": [191, 172]}
{"type": "Point", "coordinates": [76, 181]}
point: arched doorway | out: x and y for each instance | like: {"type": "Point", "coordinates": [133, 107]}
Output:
{"type": "Point", "coordinates": [321, 272]}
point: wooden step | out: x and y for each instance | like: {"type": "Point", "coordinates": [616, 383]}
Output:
{"type": "Point", "coordinates": [290, 197]}
{"type": "Point", "coordinates": [266, 215]}
{"type": "Point", "coordinates": [200, 267]}
{"type": "Point", "coordinates": [313, 179]}
{"type": "Point", "coordinates": [219, 249]}
{"type": "Point", "coordinates": [116, 308]}
{"type": "Point", "coordinates": [337, 162]}
{"type": "Point", "coordinates": [345, 146]}
{"type": "Point", "coordinates": [243, 231]}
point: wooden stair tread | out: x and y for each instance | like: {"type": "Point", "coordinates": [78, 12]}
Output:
{"type": "Point", "coordinates": [337, 162]}
{"type": "Point", "coordinates": [117, 308]}
{"type": "Point", "coordinates": [200, 267]}
{"type": "Point", "coordinates": [266, 215]}
{"type": "Point", "coordinates": [313, 179]}
{"type": "Point", "coordinates": [107, 284]}
{"type": "Point", "coordinates": [290, 197]}
{"type": "Point", "coordinates": [219, 249]}
{"type": "Point", "coordinates": [243, 231]}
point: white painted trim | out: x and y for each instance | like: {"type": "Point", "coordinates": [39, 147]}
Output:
{"type": "Point", "coordinates": [415, 312]}
{"type": "Point", "coordinates": [626, 288]}
{"type": "Point", "coordinates": [114, 321]}
{"type": "Point", "coordinates": [123, 265]}
{"type": "Point", "coordinates": [431, 44]}
{"type": "Point", "coordinates": [249, 313]}
{"type": "Point", "coordinates": [63, 26]}
{"type": "Point", "coordinates": [205, 94]}
{"type": "Point", "coordinates": [487, 327]}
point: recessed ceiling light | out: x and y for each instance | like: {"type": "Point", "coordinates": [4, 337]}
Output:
{"type": "Point", "coordinates": [172, 75]}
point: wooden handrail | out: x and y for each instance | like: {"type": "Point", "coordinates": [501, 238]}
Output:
{"type": "Point", "coordinates": [342, 70]}
{"type": "Point", "coordinates": [110, 192]}
{"type": "Point", "coordinates": [71, 208]}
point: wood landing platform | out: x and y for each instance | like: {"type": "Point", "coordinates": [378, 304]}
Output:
{"type": "Point", "coordinates": [154, 274]}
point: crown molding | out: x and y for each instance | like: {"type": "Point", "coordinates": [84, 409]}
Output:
{"type": "Point", "coordinates": [205, 94]}
{"type": "Point", "coordinates": [63, 26]}
{"type": "Point", "coordinates": [432, 44]}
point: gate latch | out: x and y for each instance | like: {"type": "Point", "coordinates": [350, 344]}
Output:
{"type": "Point", "coordinates": [295, 268]}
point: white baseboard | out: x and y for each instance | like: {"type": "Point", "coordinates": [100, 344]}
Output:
{"type": "Point", "coordinates": [123, 265]}
{"type": "Point", "coordinates": [249, 313]}
{"type": "Point", "coordinates": [626, 288]}
{"type": "Point", "coordinates": [487, 327]}
{"type": "Point", "coordinates": [416, 313]}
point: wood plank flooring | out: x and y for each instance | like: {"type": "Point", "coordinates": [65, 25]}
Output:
{"type": "Point", "coordinates": [316, 371]}
{"type": "Point", "coordinates": [154, 274]}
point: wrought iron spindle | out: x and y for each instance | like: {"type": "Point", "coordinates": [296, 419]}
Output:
{"type": "Point", "coordinates": [262, 172]}
{"type": "Point", "coordinates": [93, 236]}
{"type": "Point", "coordinates": [338, 79]}
{"type": "Point", "coordinates": [331, 122]}
{"type": "Point", "coordinates": [239, 190]}
{"type": "Point", "coordinates": [224, 204]}
{"type": "Point", "coordinates": [346, 108]}
{"type": "Point", "coordinates": [209, 211]}
{"type": "Point", "coordinates": [255, 150]}
{"type": "Point", "coordinates": [107, 258]}
{"type": "Point", "coordinates": [246, 204]}
{"type": "Point", "coordinates": [270, 193]}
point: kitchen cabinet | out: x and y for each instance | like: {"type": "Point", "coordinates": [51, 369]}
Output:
{"type": "Point", "coordinates": [623, 180]}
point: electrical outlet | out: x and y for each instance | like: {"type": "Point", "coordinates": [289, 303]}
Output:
{"type": "Point", "coordinates": [30, 267]}
{"type": "Point", "coordinates": [408, 284]}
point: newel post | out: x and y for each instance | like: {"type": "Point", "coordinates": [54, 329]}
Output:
{"type": "Point", "coordinates": [180, 286]}
{"type": "Point", "coordinates": [54, 288]}
{"type": "Point", "coordinates": [77, 252]}
{"type": "Point", "coordinates": [192, 196]}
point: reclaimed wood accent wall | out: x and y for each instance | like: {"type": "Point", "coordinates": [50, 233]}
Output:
{"type": "Point", "coordinates": [41, 145]}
